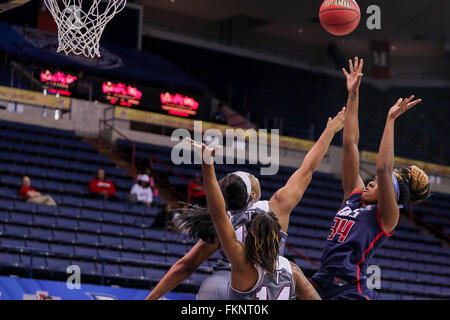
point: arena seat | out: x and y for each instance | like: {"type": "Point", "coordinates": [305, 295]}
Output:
{"type": "Point", "coordinates": [114, 239]}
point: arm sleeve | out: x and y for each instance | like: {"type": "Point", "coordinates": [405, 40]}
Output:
{"type": "Point", "coordinates": [150, 195]}
{"type": "Point", "coordinates": [134, 189]}
{"type": "Point", "coordinates": [112, 190]}
{"type": "Point", "coordinates": [93, 187]}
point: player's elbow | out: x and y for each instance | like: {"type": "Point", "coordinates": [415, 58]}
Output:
{"type": "Point", "coordinates": [349, 143]}
{"type": "Point", "coordinates": [383, 169]}
{"type": "Point", "coordinates": [185, 266]}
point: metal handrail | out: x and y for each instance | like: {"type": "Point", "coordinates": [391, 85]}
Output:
{"type": "Point", "coordinates": [301, 255]}
{"type": "Point", "coordinates": [427, 224]}
{"type": "Point", "coordinates": [133, 144]}
{"type": "Point", "coordinates": [173, 172]}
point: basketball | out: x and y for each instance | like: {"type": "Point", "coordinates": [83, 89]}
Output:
{"type": "Point", "coordinates": [339, 17]}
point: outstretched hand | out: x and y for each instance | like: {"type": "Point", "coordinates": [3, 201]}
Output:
{"type": "Point", "coordinates": [337, 123]}
{"type": "Point", "coordinates": [354, 75]}
{"type": "Point", "coordinates": [402, 106]}
{"type": "Point", "coordinates": [205, 152]}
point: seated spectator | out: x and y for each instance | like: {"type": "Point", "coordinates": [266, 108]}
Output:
{"type": "Point", "coordinates": [219, 116]}
{"type": "Point", "coordinates": [196, 192]}
{"type": "Point", "coordinates": [164, 219]}
{"type": "Point", "coordinates": [31, 195]}
{"type": "Point", "coordinates": [148, 172]}
{"type": "Point", "coordinates": [102, 188]}
{"type": "Point", "coordinates": [141, 191]}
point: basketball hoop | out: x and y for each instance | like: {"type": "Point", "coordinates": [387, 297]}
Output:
{"type": "Point", "coordinates": [80, 27]}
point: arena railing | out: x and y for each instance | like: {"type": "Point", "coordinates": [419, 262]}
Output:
{"type": "Point", "coordinates": [102, 123]}
{"type": "Point", "coordinates": [301, 255]}
{"type": "Point", "coordinates": [173, 173]}
{"type": "Point", "coordinates": [427, 224]}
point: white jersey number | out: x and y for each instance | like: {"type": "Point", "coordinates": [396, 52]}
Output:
{"type": "Point", "coordinates": [284, 294]}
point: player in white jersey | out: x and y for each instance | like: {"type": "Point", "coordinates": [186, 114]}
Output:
{"type": "Point", "coordinates": [257, 269]}
{"type": "Point", "coordinates": [242, 193]}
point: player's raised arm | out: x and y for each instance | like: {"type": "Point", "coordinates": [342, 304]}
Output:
{"type": "Point", "coordinates": [387, 202]}
{"type": "Point", "coordinates": [183, 268]}
{"type": "Point", "coordinates": [303, 288]}
{"type": "Point", "coordinates": [234, 249]}
{"type": "Point", "coordinates": [351, 180]}
{"type": "Point", "coordinates": [286, 198]}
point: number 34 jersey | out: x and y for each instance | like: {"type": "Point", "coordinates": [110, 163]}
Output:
{"type": "Point", "coordinates": [356, 232]}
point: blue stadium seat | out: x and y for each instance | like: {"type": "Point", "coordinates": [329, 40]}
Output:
{"type": "Point", "coordinates": [111, 228]}
{"type": "Point", "coordinates": [131, 255]}
{"type": "Point", "coordinates": [65, 223]}
{"type": "Point", "coordinates": [15, 230]}
{"type": "Point", "coordinates": [133, 244]}
{"type": "Point", "coordinates": [112, 217]}
{"type": "Point", "coordinates": [4, 215]}
{"type": "Point", "coordinates": [92, 214]}
{"type": "Point", "coordinates": [87, 238]}
{"type": "Point", "coordinates": [155, 246]}
{"type": "Point", "coordinates": [154, 274]}
{"type": "Point", "coordinates": [86, 267]}
{"type": "Point", "coordinates": [58, 264]}
{"type": "Point", "coordinates": [13, 243]}
{"type": "Point", "coordinates": [69, 211]}
{"type": "Point", "coordinates": [85, 251]}
{"type": "Point", "coordinates": [22, 218]}
{"type": "Point", "coordinates": [40, 233]}
{"type": "Point", "coordinates": [9, 259]}
{"type": "Point", "coordinates": [155, 258]}
{"type": "Point", "coordinates": [132, 272]}
{"type": "Point", "coordinates": [105, 253]}
{"type": "Point", "coordinates": [64, 236]}
{"type": "Point", "coordinates": [111, 241]}
{"type": "Point", "coordinates": [179, 249]}
{"type": "Point", "coordinates": [40, 220]}
{"type": "Point", "coordinates": [133, 231]}
{"type": "Point", "coordinates": [89, 226]}
{"type": "Point", "coordinates": [111, 270]}
{"type": "Point", "coordinates": [34, 261]}
{"type": "Point", "coordinates": [61, 249]}
{"type": "Point", "coordinates": [36, 245]}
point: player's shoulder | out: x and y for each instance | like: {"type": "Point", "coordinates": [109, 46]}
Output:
{"type": "Point", "coordinates": [261, 205]}
{"type": "Point", "coordinates": [284, 263]}
{"type": "Point", "coordinates": [353, 197]}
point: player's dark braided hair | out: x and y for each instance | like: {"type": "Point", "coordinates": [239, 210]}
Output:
{"type": "Point", "coordinates": [413, 184]}
{"type": "Point", "coordinates": [262, 242]}
{"type": "Point", "coordinates": [196, 221]}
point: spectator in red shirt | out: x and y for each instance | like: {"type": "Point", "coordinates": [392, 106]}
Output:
{"type": "Point", "coordinates": [196, 192]}
{"type": "Point", "coordinates": [31, 195]}
{"type": "Point", "coordinates": [101, 187]}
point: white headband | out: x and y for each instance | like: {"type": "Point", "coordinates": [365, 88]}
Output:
{"type": "Point", "coordinates": [248, 184]}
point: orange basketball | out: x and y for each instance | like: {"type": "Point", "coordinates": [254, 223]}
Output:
{"type": "Point", "coordinates": [339, 17]}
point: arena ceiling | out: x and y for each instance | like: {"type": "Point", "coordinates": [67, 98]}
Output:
{"type": "Point", "coordinates": [410, 21]}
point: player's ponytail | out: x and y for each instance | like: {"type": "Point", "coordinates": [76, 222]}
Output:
{"type": "Point", "coordinates": [196, 221]}
{"type": "Point", "coordinates": [413, 183]}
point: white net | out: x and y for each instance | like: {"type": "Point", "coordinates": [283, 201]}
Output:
{"type": "Point", "coordinates": [80, 27]}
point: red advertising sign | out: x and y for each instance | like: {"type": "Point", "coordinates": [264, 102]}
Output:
{"type": "Point", "coordinates": [121, 94]}
{"type": "Point", "coordinates": [179, 105]}
{"type": "Point", "coordinates": [57, 83]}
